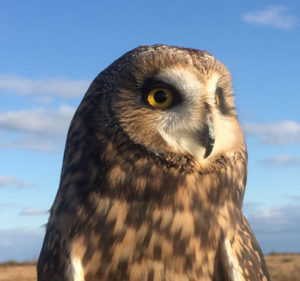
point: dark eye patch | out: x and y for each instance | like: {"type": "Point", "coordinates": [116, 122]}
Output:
{"type": "Point", "coordinates": [223, 106]}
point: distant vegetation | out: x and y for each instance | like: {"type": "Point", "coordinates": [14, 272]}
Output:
{"type": "Point", "coordinates": [16, 263]}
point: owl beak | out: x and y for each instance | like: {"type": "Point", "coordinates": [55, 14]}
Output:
{"type": "Point", "coordinates": [209, 146]}
{"type": "Point", "coordinates": [209, 140]}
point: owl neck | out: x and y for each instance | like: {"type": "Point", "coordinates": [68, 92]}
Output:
{"type": "Point", "coordinates": [137, 176]}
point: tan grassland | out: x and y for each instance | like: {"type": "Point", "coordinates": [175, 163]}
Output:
{"type": "Point", "coordinates": [282, 267]}
{"type": "Point", "coordinates": [13, 271]}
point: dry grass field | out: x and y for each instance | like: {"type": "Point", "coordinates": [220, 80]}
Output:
{"type": "Point", "coordinates": [13, 271]}
{"type": "Point", "coordinates": [282, 267]}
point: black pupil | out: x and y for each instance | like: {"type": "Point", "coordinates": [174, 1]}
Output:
{"type": "Point", "coordinates": [160, 96]}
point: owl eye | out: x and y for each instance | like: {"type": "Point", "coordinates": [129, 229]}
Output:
{"type": "Point", "coordinates": [160, 97]}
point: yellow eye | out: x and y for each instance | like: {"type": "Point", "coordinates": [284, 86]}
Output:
{"type": "Point", "coordinates": [160, 97]}
{"type": "Point", "coordinates": [217, 100]}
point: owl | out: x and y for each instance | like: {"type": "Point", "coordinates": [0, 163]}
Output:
{"type": "Point", "coordinates": [153, 177]}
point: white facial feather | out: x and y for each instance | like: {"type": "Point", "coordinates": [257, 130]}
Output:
{"type": "Point", "coordinates": [180, 126]}
{"type": "Point", "coordinates": [225, 135]}
{"type": "Point", "coordinates": [183, 80]}
{"type": "Point", "coordinates": [224, 126]}
{"type": "Point", "coordinates": [211, 84]}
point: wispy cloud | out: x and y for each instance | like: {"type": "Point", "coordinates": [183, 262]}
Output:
{"type": "Point", "coordinates": [279, 133]}
{"type": "Point", "coordinates": [275, 227]}
{"type": "Point", "coordinates": [63, 88]}
{"type": "Point", "coordinates": [37, 129]}
{"type": "Point", "coordinates": [282, 161]}
{"type": "Point", "coordinates": [6, 205]}
{"type": "Point", "coordinates": [276, 16]}
{"type": "Point", "coordinates": [293, 197]}
{"type": "Point", "coordinates": [7, 181]}
{"type": "Point", "coordinates": [33, 212]}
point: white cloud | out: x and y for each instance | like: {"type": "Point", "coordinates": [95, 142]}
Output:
{"type": "Point", "coordinates": [34, 142]}
{"type": "Point", "coordinates": [40, 120]}
{"type": "Point", "coordinates": [64, 88]}
{"type": "Point", "coordinates": [33, 212]}
{"type": "Point", "coordinates": [276, 16]}
{"type": "Point", "coordinates": [37, 129]}
{"type": "Point", "coordinates": [6, 181]}
{"type": "Point", "coordinates": [279, 133]}
{"type": "Point", "coordinates": [282, 160]}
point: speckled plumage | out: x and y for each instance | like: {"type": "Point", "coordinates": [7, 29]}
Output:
{"type": "Point", "coordinates": [135, 202]}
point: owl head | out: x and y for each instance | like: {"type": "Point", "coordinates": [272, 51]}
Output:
{"type": "Point", "coordinates": [172, 102]}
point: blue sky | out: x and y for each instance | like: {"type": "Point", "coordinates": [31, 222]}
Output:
{"type": "Point", "coordinates": [51, 51]}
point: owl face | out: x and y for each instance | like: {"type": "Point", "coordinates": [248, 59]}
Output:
{"type": "Point", "coordinates": [177, 100]}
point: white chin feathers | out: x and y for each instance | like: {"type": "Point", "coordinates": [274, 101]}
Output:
{"type": "Point", "coordinates": [185, 143]}
{"type": "Point", "coordinates": [187, 140]}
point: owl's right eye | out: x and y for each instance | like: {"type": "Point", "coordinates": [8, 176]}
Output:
{"type": "Point", "coordinates": [160, 97]}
